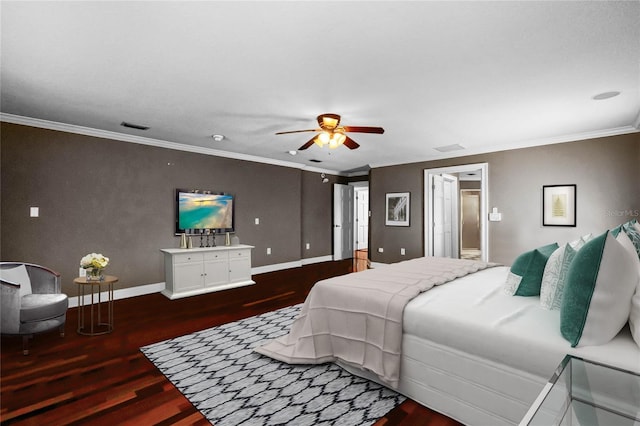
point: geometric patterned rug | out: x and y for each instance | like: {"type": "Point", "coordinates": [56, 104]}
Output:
{"type": "Point", "coordinates": [230, 384]}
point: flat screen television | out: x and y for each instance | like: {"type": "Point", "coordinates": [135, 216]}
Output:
{"type": "Point", "coordinates": [198, 211]}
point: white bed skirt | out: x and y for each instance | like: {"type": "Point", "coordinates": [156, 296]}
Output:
{"type": "Point", "coordinates": [462, 386]}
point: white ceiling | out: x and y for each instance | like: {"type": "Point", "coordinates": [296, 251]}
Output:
{"type": "Point", "coordinates": [485, 75]}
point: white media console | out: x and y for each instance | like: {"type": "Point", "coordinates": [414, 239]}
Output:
{"type": "Point", "coordinates": [189, 272]}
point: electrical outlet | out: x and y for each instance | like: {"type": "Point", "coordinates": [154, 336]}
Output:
{"type": "Point", "coordinates": [34, 211]}
{"type": "Point", "coordinates": [257, 221]}
{"type": "Point", "coordinates": [402, 252]}
{"type": "Point", "coordinates": [308, 246]}
{"type": "Point", "coordinates": [268, 250]}
{"type": "Point", "coordinates": [380, 250]}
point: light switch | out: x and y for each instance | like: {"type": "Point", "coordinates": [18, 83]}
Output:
{"type": "Point", "coordinates": [494, 216]}
{"type": "Point", "coordinates": [257, 221]}
{"type": "Point", "coordinates": [34, 211]}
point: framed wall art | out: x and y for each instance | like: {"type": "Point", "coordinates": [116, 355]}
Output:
{"type": "Point", "coordinates": [559, 205]}
{"type": "Point", "coordinates": [397, 209]}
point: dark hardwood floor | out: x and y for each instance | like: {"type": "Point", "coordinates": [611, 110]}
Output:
{"type": "Point", "coordinates": [105, 380]}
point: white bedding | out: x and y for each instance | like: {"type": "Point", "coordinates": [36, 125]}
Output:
{"type": "Point", "coordinates": [480, 356]}
{"type": "Point", "coordinates": [473, 314]}
{"type": "Point", "coordinates": [358, 317]}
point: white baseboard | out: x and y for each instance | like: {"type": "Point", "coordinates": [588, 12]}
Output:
{"type": "Point", "coordinates": [142, 290]}
{"type": "Point", "coordinates": [124, 293]}
{"type": "Point", "coordinates": [320, 259]}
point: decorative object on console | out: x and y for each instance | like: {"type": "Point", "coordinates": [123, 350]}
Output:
{"type": "Point", "coordinates": [183, 241]}
{"type": "Point", "coordinates": [559, 205]}
{"type": "Point", "coordinates": [397, 208]}
{"type": "Point", "coordinates": [94, 265]}
{"type": "Point", "coordinates": [227, 239]}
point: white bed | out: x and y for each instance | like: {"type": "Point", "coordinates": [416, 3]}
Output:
{"type": "Point", "coordinates": [480, 356]}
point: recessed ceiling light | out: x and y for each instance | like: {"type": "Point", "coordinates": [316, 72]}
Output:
{"type": "Point", "coordinates": [217, 138]}
{"type": "Point", "coordinates": [605, 95]}
{"type": "Point", "coordinates": [448, 148]}
{"type": "Point", "coordinates": [292, 152]}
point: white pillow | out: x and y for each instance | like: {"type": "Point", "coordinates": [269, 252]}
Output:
{"type": "Point", "coordinates": [18, 275]}
{"type": "Point", "coordinates": [634, 314]}
{"type": "Point", "coordinates": [555, 273]}
{"type": "Point", "coordinates": [596, 303]}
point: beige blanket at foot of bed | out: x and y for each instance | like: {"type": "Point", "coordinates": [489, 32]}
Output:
{"type": "Point", "coordinates": [357, 318]}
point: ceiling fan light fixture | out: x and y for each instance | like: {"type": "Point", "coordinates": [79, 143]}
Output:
{"type": "Point", "coordinates": [329, 121]}
{"type": "Point", "coordinates": [324, 138]}
{"type": "Point", "coordinates": [336, 140]}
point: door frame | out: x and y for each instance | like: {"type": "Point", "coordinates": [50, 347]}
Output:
{"type": "Point", "coordinates": [462, 191]}
{"type": "Point", "coordinates": [359, 188]}
{"type": "Point", "coordinates": [484, 202]}
{"type": "Point", "coordinates": [343, 206]}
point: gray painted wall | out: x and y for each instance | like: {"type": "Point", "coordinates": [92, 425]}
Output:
{"type": "Point", "coordinates": [605, 170]}
{"type": "Point", "coordinates": [117, 198]}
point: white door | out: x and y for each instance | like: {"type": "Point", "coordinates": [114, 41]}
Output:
{"type": "Point", "coordinates": [342, 221]}
{"type": "Point", "coordinates": [445, 215]}
{"type": "Point", "coordinates": [438, 215]}
{"type": "Point", "coordinates": [362, 219]}
{"type": "Point", "coordinates": [431, 211]}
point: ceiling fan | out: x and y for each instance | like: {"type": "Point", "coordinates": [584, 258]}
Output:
{"type": "Point", "coordinates": [333, 134]}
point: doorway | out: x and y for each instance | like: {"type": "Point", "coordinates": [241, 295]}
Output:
{"type": "Point", "coordinates": [441, 239]}
{"type": "Point", "coordinates": [470, 224]}
{"type": "Point", "coordinates": [351, 224]}
{"type": "Point", "coordinates": [361, 226]}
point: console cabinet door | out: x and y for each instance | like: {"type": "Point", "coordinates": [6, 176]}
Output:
{"type": "Point", "coordinates": [216, 269]}
{"type": "Point", "coordinates": [187, 276]}
{"type": "Point", "coordinates": [239, 265]}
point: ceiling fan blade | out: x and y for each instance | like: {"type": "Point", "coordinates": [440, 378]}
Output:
{"type": "Point", "coordinates": [350, 143]}
{"type": "Point", "coordinates": [298, 131]}
{"type": "Point", "coordinates": [308, 144]}
{"type": "Point", "coordinates": [364, 129]}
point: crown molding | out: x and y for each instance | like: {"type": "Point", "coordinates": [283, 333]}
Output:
{"type": "Point", "coordinates": [616, 131]}
{"type": "Point", "coordinates": [123, 137]}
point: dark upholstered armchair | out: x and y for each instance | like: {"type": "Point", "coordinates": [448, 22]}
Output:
{"type": "Point", "coordinates": [32, 301]}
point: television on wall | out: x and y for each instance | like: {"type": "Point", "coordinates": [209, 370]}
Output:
{"type": "Point", "coordinates": [199, 211]}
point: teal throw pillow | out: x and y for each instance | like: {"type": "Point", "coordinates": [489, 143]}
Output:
{"type": "Point", "coordinates": [597, 296]}
{"type": "Point", "coordinates": [525, 275]}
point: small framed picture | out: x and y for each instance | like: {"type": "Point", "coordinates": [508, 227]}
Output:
{"type": "Point", "coordinates": [559, 205]}
{"type": "Point", "coordinates": [397, 209]}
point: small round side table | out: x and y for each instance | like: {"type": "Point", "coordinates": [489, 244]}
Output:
{"type": "Point", "coordinates": [96, 325]}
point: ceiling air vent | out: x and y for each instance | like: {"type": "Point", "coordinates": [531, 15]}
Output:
{"type": "Point", "coordinates": [449, 148]}
{"type": "Point", "coordinates": [134, 126]}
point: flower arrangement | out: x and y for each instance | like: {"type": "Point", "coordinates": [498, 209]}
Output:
{"type": "Point", "coordinates": [94, 260]}
{"type": "Point", "coordinates": [94, 263]}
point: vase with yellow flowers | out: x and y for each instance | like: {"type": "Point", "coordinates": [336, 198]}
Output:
{"type": "Point", "coordinates": [94, 265]}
